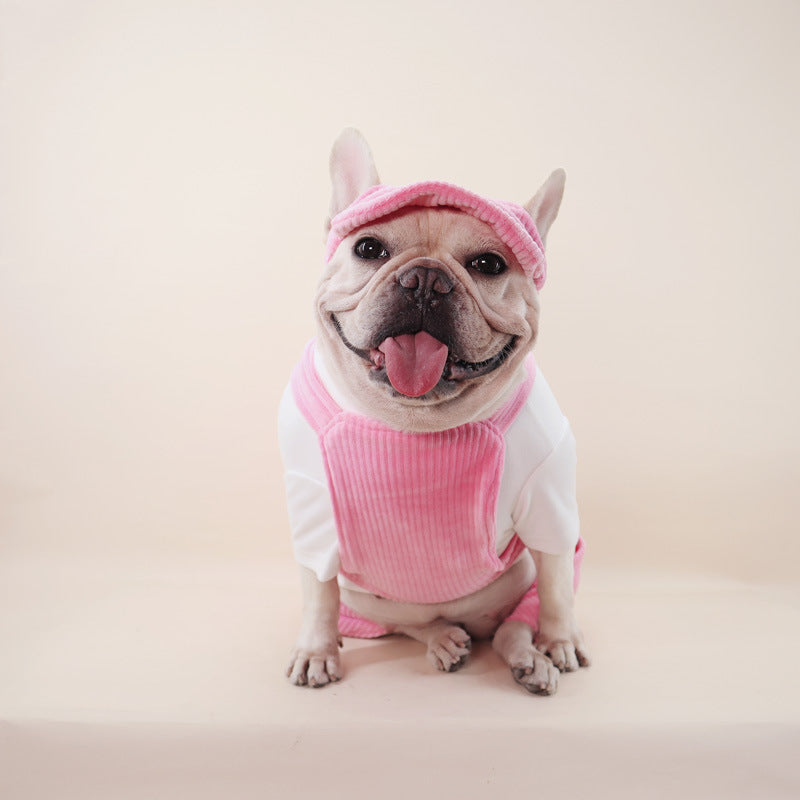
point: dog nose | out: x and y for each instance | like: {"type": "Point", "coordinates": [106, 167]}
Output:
{"type": "Point", "coordinates": [425, 281]}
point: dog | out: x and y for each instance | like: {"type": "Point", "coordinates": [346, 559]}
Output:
{"type": "Point", "coordinates": [430, 474]}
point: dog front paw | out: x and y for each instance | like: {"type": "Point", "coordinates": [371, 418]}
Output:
{"type": "Point", "coordinates": [313, 669]}
{"type": "Point", "coordinates": [315, 661]}
{"type": "Point", "coordinates": [563, 642]}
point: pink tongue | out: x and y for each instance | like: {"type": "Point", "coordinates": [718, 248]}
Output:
{"type": "Point", "coordinates": [414, 362]}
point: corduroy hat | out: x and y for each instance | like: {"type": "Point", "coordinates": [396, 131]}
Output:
{"type": "Point", "coordinates": [511, 222]}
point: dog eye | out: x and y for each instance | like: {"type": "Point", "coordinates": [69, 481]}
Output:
{"type": "Point", "coordinates": [370, 248]}
{"type": "Point", "coordinates": [487, 264]}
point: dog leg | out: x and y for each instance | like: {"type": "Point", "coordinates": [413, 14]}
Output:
{"type": "Point", "coordinates": [315, 658]}
{"type": "Point", "coordinates": [531, 669]}
{"type": "Point", "coordinates": [559, 635]}
{"type": "Point", "coordinates": [448, 645]}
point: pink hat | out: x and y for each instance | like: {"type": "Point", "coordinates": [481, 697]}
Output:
{"type": "Point", "coordinates": [512, 223]}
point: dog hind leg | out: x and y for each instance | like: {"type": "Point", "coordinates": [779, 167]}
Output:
{"type": "Point", "coordinates": [531, 669]}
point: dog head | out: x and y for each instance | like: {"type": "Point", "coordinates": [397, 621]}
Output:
{"type": "Point", "coordinates": [429, 302]}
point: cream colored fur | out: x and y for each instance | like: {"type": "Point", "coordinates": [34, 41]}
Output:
{"type": "Point", "coordinates": [356, 297]}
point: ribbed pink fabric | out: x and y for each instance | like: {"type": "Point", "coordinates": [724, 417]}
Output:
{"type": "Point", "coordinates": [353, 624]}
{"type": "Point", "coordinates": [415, 513]}
{"type": "Point", "coordinates": [512, 223]}
{"type": "Point", "coordinates": [527, 610]}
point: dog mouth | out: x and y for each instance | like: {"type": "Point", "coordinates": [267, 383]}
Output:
{"type": "Point", "coordinates": [416, 363]}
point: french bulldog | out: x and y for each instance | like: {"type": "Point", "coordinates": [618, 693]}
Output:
{"type": "Point", "coordinates": [430, 473]}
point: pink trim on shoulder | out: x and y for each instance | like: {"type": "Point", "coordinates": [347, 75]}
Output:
{"type": "Point", "coordinates": [310, 394]}
{"type": "Point", "coordinates": [505, 416]}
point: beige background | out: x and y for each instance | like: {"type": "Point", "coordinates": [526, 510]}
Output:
{"type": "Point", "coordinates": [163, 182]}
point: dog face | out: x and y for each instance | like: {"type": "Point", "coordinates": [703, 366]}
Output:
{"type": "Point", "coordinates": [424, 316]}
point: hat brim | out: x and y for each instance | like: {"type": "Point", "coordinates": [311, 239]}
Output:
{"type": "Point", "coordinates": [511, 222]}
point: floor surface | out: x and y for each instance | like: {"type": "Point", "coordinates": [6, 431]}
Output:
{"type": "Point", "coordinates": [165, 680]}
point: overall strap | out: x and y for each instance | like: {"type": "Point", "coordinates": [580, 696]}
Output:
{"type": "Point", "coordinates": [311, 396]}
{"type": "Point", "coordinates": [505, 416]}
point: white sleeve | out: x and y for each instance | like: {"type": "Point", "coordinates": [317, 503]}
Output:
{"type": "Point", "coordinates": [314, 538]}
{"type": "Point", "coordinates": [546, 514]}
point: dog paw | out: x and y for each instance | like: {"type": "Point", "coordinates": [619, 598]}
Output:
{"type": "Point", "coordinates": [313, 669]}
{"type": "Point", "coordinates": [563, 642]}
{"type": "Point", "coordinates": [315, 659]}
{"type": "Point", "coordinates": [530, 668]}
{"type": "Point", "coordinates": [565, 655]}
{"type": "Point", "coordinates": [535, 672]}
{"type": "Point", "coordinates": [449, 648]}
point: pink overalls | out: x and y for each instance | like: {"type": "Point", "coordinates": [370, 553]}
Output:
{"type": "Point", "coordinates": [415, 512]}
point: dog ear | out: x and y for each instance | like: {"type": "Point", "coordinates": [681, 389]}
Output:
{"type": "Point", "coordinates": [352, 169]}
{"type": "Point", "coordinates": [544, 205]}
